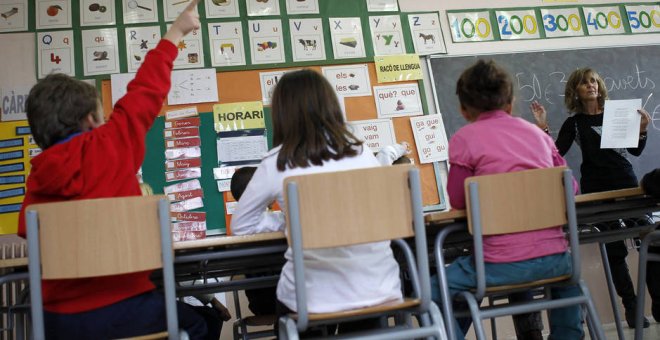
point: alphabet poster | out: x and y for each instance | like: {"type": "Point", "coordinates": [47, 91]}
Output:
{"type": "Point", "coordinates": [100, 52]}
{"type": "Point", "coordinates": [387, 35]}
{"type": "Point", "coordinates": [347, 39]}
{"type": "Point", "coordinates": [191, 53]}
{"type": "Point", "coordinates": [55, 53]}
{"type": "Point", "coordinates": [302, 6]}
{"type": "Point", "coordinates": [173, 8]}
{"type": "Point", "coordinates": [97, 12]}
{"type": "Point", "coordinates": [426, 33]}
{"type": "Point", "coordinates": [262, 7]}
{"type": "Point", "coordinates": [307, 39]}
{"type": "Point", "coordinates": [430, 138]}
{"type": "Point", "coordinates": [139, 40]}
{"type": "Point", "coordinates": [266, 45]}
{"type": "Point", "coordinates": [382, 5]}
{"type": "Point", "coordinates": [139, 11]}
{"type": "Point", "coordinates": [226, 40]}
{"type": "Point", "coordinates": [221, 9]}
{"type": "Point", "coordinates": [53, 14]}
{"type": "Point", "coordinates": [14, 16]}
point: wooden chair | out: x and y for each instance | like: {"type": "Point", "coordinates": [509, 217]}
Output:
{"type": "Point", "coordinates": [98, 237]}
{"type": "Point", "coordinates": [510, 203]}
{"type": "Point", "coordinates": [652, 238]}
{"type": "Point", "coordinates": [345, 208]}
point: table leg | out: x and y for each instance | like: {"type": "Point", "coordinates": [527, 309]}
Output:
{"type": "Point", "coordinates": [612, 291]}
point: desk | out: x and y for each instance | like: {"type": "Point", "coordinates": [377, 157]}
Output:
{"type": "Point", "coordinates": [224, 256]}
{"type": "Point", "coordinates": [590, 208]}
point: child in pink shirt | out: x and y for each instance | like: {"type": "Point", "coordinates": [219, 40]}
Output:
{"type": "Point", "coordinates": [496, 142]}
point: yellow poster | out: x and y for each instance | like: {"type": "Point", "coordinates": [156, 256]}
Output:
{"type": "Point", "coordinates": [14, 168]}
{"type": "Point", "coordinates": [238, 116]}
{"type": "Point", "coordinates": [398, 68]}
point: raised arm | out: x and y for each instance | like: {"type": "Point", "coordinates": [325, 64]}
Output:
{"type": "Point", "coordinates": [187, 21]}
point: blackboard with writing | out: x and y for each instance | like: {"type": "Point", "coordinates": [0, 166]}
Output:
{"type": "Point", "coordinates": [629, 72]}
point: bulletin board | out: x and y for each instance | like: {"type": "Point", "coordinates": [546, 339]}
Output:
{"type": "Point", "coordinates": [244, 86]}
{"type": "Point", "coordinates": [241, 83]}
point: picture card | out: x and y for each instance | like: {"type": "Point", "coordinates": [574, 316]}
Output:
{"type": "Point", "coordinates": [387, 35]}
{"type": "Point", "coordinates": [347, 39]}
{"type": "Point", "coordinates": [266, 42]}
{"type": "Point", "coordinates": [227, 46]}
{"type": "Point", "coordinates": [100, 51]}
{"type": "Point", "coordinates": [430, 138]}
{"type": "Point", "coordinates": [55, 53]}
{"type": "Point", "coordinates": [398, 100]}
{"type": "Point", "coordinates": [307, 39]}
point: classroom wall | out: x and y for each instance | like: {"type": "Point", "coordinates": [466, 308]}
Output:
{"type": "Point", "coordinates": [592, 268]}
{"type": "Point", "coordinates": [523, 45]}
{"type": "Point", "coordinates": [18, 69]}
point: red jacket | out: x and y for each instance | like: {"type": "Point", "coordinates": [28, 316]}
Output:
{"type": "Point", "coordinates": [102, 163]}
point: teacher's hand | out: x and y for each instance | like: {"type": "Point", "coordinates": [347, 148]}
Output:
{"type": "Point", "coordinates": [644, 122]}
{"type": "Point", "coordinates": [539, 114]}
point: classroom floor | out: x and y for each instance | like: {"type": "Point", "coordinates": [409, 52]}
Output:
{"type": "Point", "coordinates": [651, 333]}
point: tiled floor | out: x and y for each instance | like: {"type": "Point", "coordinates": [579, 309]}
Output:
{"type": "Point", "coordinates": [651, 333]}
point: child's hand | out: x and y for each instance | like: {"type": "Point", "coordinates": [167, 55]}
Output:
{"type": "Point", "coordinates": [187, 21]}
{"type": "Point", "coordinates": [644, 122]}
{"type": "Point", "coordinates": [539, 114]}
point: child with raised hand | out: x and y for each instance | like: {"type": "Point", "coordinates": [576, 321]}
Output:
{"type": "Point", "coordinates": [601, 169]}
{"type": "Point", "coordinates": [85, 158]}
{"type": "Point", "coordinates": [496, 142]}
{"type": "Point", "coordinates": [310, 136]}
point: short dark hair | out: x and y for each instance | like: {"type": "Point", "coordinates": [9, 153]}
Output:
{"type": "Point", "coordinates": [308, 122]}
{"type": "Point", "coordinates": [240, 180]}
{"type": "Point", "coordinates": [56, 106]}
{"type": "Point", "coordinates": [484, 86]}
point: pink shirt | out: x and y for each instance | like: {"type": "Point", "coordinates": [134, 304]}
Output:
{"type": "Point", "coordinates": [497, 143]}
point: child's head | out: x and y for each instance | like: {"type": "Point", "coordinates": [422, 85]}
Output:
{"type": "Point", "coordinates": [240, 180]}
{"type": "Point", "coordinates": [482, 87]}
{"type": "Point", "coordinates": [308, 122]}
{"type": "Point", "coordinates": [574, 97]}
{"type": "Point", "coordinates": [58, 106]}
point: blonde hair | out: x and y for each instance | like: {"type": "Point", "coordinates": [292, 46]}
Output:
{"type": "Point", "coordinates": [571, 97]}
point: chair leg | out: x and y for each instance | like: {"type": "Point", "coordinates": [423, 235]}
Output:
{"type": "Point", "coordinates": [611, 290]}
{"type": "Point", "coordinates": [493, 324]}
{"type": "Point", "coordinates": [641, 291]}
{"type": "Point", "coordinates": [476, 316]}
{"type": "Point", "coordinates": [436, 319]}
{"type": "Point", "coordinates": [592, 315]}
{"type": "Point", "coordinates": [287, 329]}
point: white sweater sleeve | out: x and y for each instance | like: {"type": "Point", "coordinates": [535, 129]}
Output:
{"type": "Point", "coordinates": [390, 153]}
{"type": "Point", "coordinates": [251, 216]}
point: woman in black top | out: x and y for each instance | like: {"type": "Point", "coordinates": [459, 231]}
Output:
{"type": "Point", "coordinates": [601, 169]}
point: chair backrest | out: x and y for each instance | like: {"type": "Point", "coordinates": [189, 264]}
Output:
{"type": "Point", "coordinates": [333, 205]}
{"type": "Point", "coordinates": [97, 237]}
{"type": "Point", "coordinates": [518, 201]}
{"type": "Point", "coordinates": [521, 201]}
{"type": "Point", "coordinates": [353, 207]}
